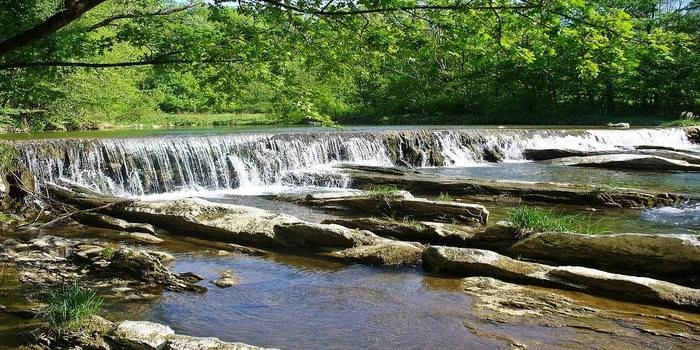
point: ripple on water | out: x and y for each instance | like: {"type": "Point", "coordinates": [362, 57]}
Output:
{"type": "Point", "coordinates": [685, 216]}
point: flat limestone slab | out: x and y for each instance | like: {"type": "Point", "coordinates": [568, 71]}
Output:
{"type": "Point", "coordinates": [663, 255]}
{"type": "Point", "coordinates": [549, 192]}
{"type": "Point", "coordinates": [402, 204]}
{"type": "Point", "coordinates": [627, 161]}
{"type": "Point", "coordinates": [477, 262]}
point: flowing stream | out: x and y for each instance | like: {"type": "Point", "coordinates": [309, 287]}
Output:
{"type": "Point", "coordinates": [251, 162]}
{"type": "Point", "coordinates": [309, 303]}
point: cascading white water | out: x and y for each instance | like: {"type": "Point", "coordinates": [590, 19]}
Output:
{"type": "Point", "coordinates": [137, 166]}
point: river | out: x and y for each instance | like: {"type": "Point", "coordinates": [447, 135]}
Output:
{"type": "Point", "coordinates": [305, 302]}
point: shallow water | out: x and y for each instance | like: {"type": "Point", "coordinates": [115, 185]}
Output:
{"type": "Point", "coordinates": [302, 302]}
{"type": "Point", "coordinates": [677, 182]}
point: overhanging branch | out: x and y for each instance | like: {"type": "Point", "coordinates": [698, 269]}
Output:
{"type": "Point", "coordinates": [332, 13]}
{"type": "Point", "coordinates": [15, 65]}
{"type": "Point", "coordinates": [72, 11]}
{"type": "Point", "coordinates": [162, 12]}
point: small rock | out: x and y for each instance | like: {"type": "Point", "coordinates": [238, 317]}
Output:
{"type": "Point", "coordinates": [191, 277]}
{"type": "Point", "coordinates": [226, 279]}
{"type": "Point", "coordinates": [140, 334]}
{"type": "Point", "coordinates": [143, 237]}
{"type": "Point", "coordinates": [223, 253]}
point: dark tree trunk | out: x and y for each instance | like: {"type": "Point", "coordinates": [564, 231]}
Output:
{"type": "Point", "coordinates": [609, 98]}
{"type": "Point", "coordinates": [72, 11]}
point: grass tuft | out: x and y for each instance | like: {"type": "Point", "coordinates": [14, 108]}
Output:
{"type": "Point", "coordinates": [107, 253]}
{"type": "Point", "coordinates": [539, 220]}
{"type": "Point", "coordinates": [69, 306]}
{"type": "Point", "coordinates": [382, 192]}
{"type": "Point", "coordinates": [444, 197]}
{"type": "Point", "coordinates": [414, 224]}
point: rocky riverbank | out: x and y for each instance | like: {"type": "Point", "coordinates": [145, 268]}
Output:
{"type": "Point", "coordinates": [383, 225]}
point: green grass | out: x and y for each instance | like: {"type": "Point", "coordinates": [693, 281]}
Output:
{"type": "Point", "coordinates": [533, 219]}
{"type": "Point", "coordinates": [69, 306]}
{"type": "Point", "coordinates": [205, 119]}
{"type": "Point", "coordinates": [107, 253]}
{"type": "Point", "coordinates": [413, 224]}
{"type": "Point", "coordinates": [383, 191]}
{"type": "Point", "coordinates": [444, 197]}
{"type": "Point", "coordinates": [602, 188]}
{"type": "Point", "coordinates": [682, 123]}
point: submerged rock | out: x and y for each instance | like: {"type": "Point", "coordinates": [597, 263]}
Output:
{"type": "Point", "coordinates": [226, 279]}
{"type": "Point", "coordinates": [662, 255]}
{"type": "Point", "coordinates": [476, 262]}
{"type": "Point", "coordinates": [628, 161]}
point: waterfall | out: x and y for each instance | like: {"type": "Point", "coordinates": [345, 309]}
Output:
{"type": "Point", "coordinates": [139, 166]}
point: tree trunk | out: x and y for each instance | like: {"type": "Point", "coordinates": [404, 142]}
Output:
{"type": "Point", "coordinates": [72, 11]}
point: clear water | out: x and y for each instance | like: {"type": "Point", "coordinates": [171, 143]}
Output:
{"type": "Point", "coordinates": [299, 302]}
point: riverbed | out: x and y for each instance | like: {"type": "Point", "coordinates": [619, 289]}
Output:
{"type": "Point", "coordinates": [307, 302]}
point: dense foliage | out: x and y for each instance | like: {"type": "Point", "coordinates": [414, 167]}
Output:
{"type": "Point", "coordinates": [501, 60]}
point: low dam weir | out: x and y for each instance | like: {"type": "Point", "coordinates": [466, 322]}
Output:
{"type": "Point", "coordinates": [150, 165]}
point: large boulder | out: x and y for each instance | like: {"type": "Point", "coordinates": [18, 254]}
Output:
{"type": "Point", "coordinates": [663, 255]}
{"type": "Point", "coordinates": [476, 262]}
{"type": "Point", "coordinates": [693, 133]}
{"type": "Point", "coordinates": [628, 161]}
